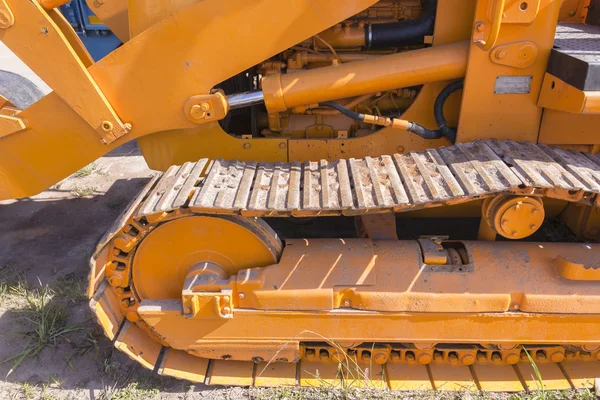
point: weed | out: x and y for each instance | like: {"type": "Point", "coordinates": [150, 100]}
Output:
{"type": "Point", "coordinates": [47, 324]}
{"type": "Point", "coordinates": [86, 171]}
{"type": "Point", "coordinates": [70, 288]}
{"type": "Point", "coordinates": [83, 191]}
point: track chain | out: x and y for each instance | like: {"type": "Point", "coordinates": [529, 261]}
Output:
{"type": "Point", "coordinates": [400, 182]}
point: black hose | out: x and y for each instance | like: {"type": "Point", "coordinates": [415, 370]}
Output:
{"type": "Point", "coordinates": [438, 111]}
{"type": "Point", "coordinates": [404, 33]}
{"type": "Point", "coordinates": [347, 112]}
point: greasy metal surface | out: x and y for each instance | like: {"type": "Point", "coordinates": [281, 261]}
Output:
{"type": "Point", "coordinates": [398, 182]}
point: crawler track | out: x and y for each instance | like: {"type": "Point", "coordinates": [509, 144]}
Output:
{"type": "Point", "coordinates": [401, 182]}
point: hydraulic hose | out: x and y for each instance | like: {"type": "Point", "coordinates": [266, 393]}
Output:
{"type": "Point", "coordinates": [438, 110]}
{"type": "Point", "coordinates": [394, 34]}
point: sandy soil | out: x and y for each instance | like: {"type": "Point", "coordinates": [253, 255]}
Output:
{"type": "Point", "coordinates": [48, 239]}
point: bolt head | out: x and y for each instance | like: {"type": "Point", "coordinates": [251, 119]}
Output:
{"type": "Point", "coordinates": [557, 356]}
{"type": "Point", "coordinates": [512, 358]}
{"type": "Point", "coordinates": [246, 145]}
{"type": "Point", "coordinates": [241, 295]}
{"type": "Point", "coordinates": [282, 145]}
{"type": "Point", "coordinates": [468, 359]}
{"type": "Point", "coordinates": [226, 310]}
{"type": "Point", "coordinates": [197, 112]}
{"type": "Point", "coordinates": [424, 358]}
{"type": "Point", "coordinates": [380, 358]}
{"type": "Point", "coordinates": [480, 27]}
{"type": "Point", "coordinates": [226, 299]}
{"type": "Point", "coordinates": [500, 54]}
{"type": "Point", "coordinates": [347, 303]}
{"type": "Point", "coordinates": [107, 126]}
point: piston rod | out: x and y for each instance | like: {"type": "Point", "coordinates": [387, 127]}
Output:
{"type": "Point", "coordinates": [246, 99]}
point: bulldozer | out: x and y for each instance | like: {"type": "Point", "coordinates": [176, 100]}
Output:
{"type": "Point", "coordinates": [352, 191]}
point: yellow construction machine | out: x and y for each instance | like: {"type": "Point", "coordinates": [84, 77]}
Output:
{"type": "Point", "coordinates": [279, 121]}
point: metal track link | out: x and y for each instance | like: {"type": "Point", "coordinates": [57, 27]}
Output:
{"type": "Point", "coordinates": [400, 182]}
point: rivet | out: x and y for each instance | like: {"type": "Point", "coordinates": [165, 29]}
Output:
{"type": "Point", "coordinates": [246, 145]}
{"type": "Point", "coordinates": [282, 145]}
{"type": "Point", "coordinates": [241, 295]}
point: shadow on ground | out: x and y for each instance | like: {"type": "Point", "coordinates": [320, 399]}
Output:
{"type": "Point", "coordinates": [48, 242]}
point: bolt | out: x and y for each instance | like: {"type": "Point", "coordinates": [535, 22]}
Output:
{"type": "Point", "coordinates": [468, 359]}
{"type": "Point", "coordinates": [512, 358]}
{"type": "Point", "coordinates": [504, 221]}
{"type": "Point", "coordinates": [107, 126]}
{"type": "Point", "coordinates": [514, 233]}
{"type": "Point", "coordinates": [114, 280]}
{"type": "Point", "coordinates": [282, 145]}
{"type": "Point", "coordinates": [534, 211]}
{"type": "Point", "coordinates": [480, 27]}
{"type": "Point", "coordinates": [571, 354]}
{"type": "Point", "coordinates": [197, 111]}
{"type": "Point", "coordinates": [246, 145]}
{"type": "Point", "coordinates": [226, 310]}
{"type": "Point", "coordinates": [400, 149]}
{"type": "Point", "coordinates": [481, 356]}
{"type": "Point", "coordinates": [347, 303]}
{"type": "Point", "coordinates": [44, 30]}
{"type": "Point", "coordinates": [585, 355]}
{"type": "Point", "coordinates": [500, 54]}
{"type": "Point", "coordinates": [557, 356]}
{"type": "Point", "coordinates": [532, 227]}
{"type": "Point", "coordinates": [98, 3]}
{"type": "Point", "coordinates": [257, 360]}
{"type": "Point", "coordinates": [226, 299]}
{"type": "Point", "coordinates": [453, 358]}
{"type": "Point", "coordinates": [380, 358]}
{"type": "Point", "coordinates": [424, 358]}
{"type": "Point", "coordinates": [127, 126]}
{"type": "Point", "coordinates": [241, 295]}
{"type": "Point", "coordinates": [365, 356]}
{"type": "Point", "coordinates": [438, 356]}
{"type": "Point", "coordinates": [410, 357]}
{"type": "Point", "coordinates": [496, 357]}
{"type": "Point", "coordinates": [515, 306]}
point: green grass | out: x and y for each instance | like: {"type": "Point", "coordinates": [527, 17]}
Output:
{"type": "Point", "coordinates": [83, 191]}
{"type": "Point", "coordinates": [45, 324]}
{"type": "Point", "coordinates": [86, 171]}
{"type": "Point", "coordinates": [70, 288]}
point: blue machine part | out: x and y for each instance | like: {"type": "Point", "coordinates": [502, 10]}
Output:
{"type": "Point", "coordinates": [96, 36]}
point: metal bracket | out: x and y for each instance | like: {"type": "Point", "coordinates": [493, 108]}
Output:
{"type": "Point", "coordinates": [40, 43]}
{"type": "Point", "coordinates": [517, 55]}
{"type": "Point", "coordinates": [576, 271]}
{"type": "Point", "coordinates": [206, 293]}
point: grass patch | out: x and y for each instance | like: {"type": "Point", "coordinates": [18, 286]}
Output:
{"type": "Point", "coordinates": [12, 286]}
{"type": "Point", "coordinates": [86, 171]}
{"type": "Point", "coordinates": [45, 324]}
{"type": "Point", "coordinates": [83, 191]}
{"type": "Point", "coordinates": [131, 391]}
{"type": "Point", "coordinates": [70, 288]}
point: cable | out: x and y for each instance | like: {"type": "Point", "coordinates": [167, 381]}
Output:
{"type": "Point", "coordinates": [438, 110]}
